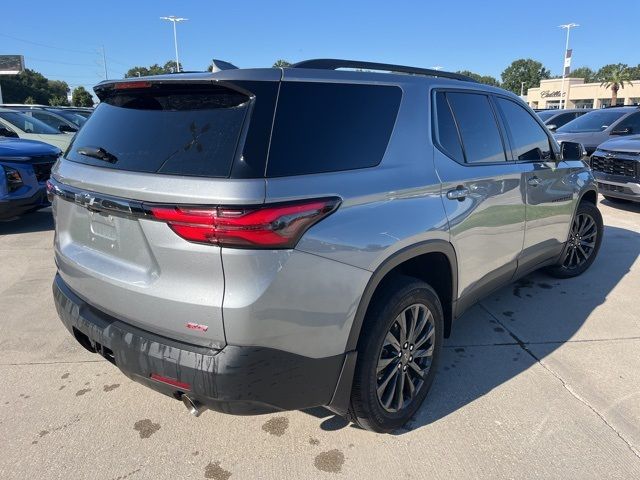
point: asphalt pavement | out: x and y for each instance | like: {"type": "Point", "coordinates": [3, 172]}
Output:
{"type": "Point", "coordinates": [540, 380]}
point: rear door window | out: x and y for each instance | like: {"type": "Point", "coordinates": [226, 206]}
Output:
{"type": "Point", "coordinates": [447, 137]}
{"type": "Point", "coordinates": [528, 139]}
{"type": "Point", "coordinates": [186, 129]}
{"type": "Point", "coordinates": [328, 127]}
{"type": "Point", "coordinates": [477, 125]}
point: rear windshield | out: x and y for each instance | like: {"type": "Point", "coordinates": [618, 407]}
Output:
{"type": "Point", "coordinates": [28, 124]}
{"type": "Point", "coordinates": [328, 127]}
{"type": "Point", "coordinates": [597, 121]}
{"type": "Point", "coordinates": [182, 130]}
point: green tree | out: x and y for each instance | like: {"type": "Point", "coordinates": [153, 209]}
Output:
{"type": "Point", "coordinates": [486, 79]}
{"type": "Point", "coordinates": [155, 69]}
{"type": "Point", "coordinates": [583, 72]}
{"type": "Point", "coordinates": [280, 63]}
{"type": "Point", "coordinates": [29, 101]}
{"type": "Point", "coordinates": [614, 76]}
{"type": "Point", "coordinates": [529, 71]}
{"type": "Point", "coordinates": [59, 101]}
{"type": "Point", "coordinates": [58, 88]}
{"type": "Point", "coordinates": [81, 98]}
{"type": "Point", "coordinates": [17, 88]}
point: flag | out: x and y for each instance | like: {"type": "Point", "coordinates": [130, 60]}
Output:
{"type": "Point", "coordinates": [567, 62]}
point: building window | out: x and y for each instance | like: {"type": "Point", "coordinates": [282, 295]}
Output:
{"type": "Point", "coordinates": [553, 104]}
{"type": "Point", "coordinates": [606, 102]}
{"type": "Point", "coordinates": [583, 103]}
{"type": "Point", "coordinates": [634, 101]}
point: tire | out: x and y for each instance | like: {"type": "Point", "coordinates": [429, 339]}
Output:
{"type": "Point", "coordinates": [402, 299]}
{"type": "Point", "coordinates": [615, 199]}
{"type": "Point", "coordinates": [583, 245]}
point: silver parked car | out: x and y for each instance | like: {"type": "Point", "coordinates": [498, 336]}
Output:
{"type": "Point", "coordinates": [599, 126]}
{"type": "Point", "coordinates": [555, 119]}
{"type": "Point", "coordinates": [616, 166]}
{"type": "Point", "coordinates": [254, 240]}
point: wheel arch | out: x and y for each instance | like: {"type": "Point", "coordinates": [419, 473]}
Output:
{"type": "Point", "coordinates": [589, 195]}
{"type": "Point", "coordinates": [410, 261]}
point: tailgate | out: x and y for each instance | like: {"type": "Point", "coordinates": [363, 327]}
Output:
{"type": "Point", "coordinates": [158, 144]}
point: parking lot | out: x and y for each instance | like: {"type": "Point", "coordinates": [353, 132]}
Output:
{"type": "Point", "coordinates": [540, 380]}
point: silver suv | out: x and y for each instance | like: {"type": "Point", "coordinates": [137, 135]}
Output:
{"type": "Point", "coordinates": [254, 240]}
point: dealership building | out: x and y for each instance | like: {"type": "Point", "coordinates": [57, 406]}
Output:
{"type": "Point", "coordinates": [579, 94]}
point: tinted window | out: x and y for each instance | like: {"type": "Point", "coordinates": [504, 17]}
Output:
{"type": "Point", "coordinates": [478, 129]}
{"type": "Point", "coordinates": [596, 121]}
{"type": "Point", "coordinates": [28, 124]}
{"type": "Point", "coordinates": [48, 119]}
{"type": "Point", "coordinates": [632, 122]}
{"type": "Point", "coordinates": [528, 139]}
{"type": "Point", "coordinates": [561, 119]}
{"type": "Point", "coordinates": [544, 116]}
{"type": "Point", "coordinates": [446, 130]}
{"type": "Point", "coordinates": [181, 130]}
{"type": "Point", "coordinates": [325, 127]}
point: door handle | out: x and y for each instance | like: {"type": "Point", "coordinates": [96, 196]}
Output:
{"type": "Point", "coordinates": [458, 193]}
{"type": "Point", "coordinates": [534, 181]}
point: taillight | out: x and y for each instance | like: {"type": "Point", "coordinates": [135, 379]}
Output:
{"type": "Point", "coordinates": [268, 226]}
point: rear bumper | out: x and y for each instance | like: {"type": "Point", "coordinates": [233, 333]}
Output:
{"type": "Point", "coordinates": [235, 379]}
{"type": "Point", "coordinates": [10, 207]}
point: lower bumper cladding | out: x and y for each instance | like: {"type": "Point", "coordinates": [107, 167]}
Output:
{"type": "Point", "coordinates": [237, 380]}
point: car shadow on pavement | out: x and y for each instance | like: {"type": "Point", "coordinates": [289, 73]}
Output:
{"type": "Point", "coordinates": [626, 206]}
{"type": "Point", "coordinates": [39, 221]}
{"type": "Point", "coordinates": [536, 310]}
{"type": "Point", "coordinates": [489, 344]}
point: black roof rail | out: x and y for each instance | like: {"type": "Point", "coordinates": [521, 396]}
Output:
{"type": "Point", "coordinates": [335, 63]}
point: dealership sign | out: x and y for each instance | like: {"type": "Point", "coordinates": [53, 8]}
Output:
{"type": "Point", "coordinates": [11, 64]}
{"type": "Point", "coordinates": [551, 93]}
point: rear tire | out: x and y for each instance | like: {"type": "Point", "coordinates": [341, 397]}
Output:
{"type": "Point", "coordinates": [583, 244]}
{"type": "Point", "coordinates": [398, 355]}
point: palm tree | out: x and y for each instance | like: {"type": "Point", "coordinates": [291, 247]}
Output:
{"type": "Point", "coordinates": [615, 77]}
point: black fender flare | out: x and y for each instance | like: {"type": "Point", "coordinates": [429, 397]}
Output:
{"type": "Point", "coordinates": [399, 257]}
{"type": "Point", "coordinates": [342, 395]}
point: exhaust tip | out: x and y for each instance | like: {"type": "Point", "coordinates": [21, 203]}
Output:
{"type": "Point", "coordinates": [194, 407]}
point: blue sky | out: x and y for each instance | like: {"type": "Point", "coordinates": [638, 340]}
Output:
{"type": "Point", "coordinates": [480, 36]}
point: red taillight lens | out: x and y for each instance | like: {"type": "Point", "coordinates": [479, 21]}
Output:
{"type": "Point", "coordinates": [134, 84]}
{"type": "Point", "coordinates": [269, 226]}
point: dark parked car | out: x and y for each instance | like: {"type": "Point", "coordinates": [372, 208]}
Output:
{"type": "Point", "coordinates": [599, 126]}
{"type": "Point", "coordinates": [616, 166]}
{"type": "Point", "coordinates": [555, 119]}
{"type": "Point", "coordinates": [25, 166]}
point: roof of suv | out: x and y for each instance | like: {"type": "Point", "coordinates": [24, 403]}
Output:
{"type": "Point", "coordinates": [319, 69]}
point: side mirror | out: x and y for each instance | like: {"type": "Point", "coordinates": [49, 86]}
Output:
{"type": "Point", "coordinates": [572, 151]}
{"type": "Point", "coordinates": [67, 129]}
{"type": "Point", "coordinates": [552, 127]}
{"type": "Point", "coordinates": [5, 132]}
{"type": "Point", "coordinates": [621, 131]}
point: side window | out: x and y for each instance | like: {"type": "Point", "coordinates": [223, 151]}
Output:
{"type": "Point", "coordinates": [329, 127]}
{"type": "Point", "coordinates": [477, 125]}
{"type": "Point", "coordinates": [445, 129]}
{"type": "Point", "coordinates": [632, 122]}
{"type": "Point", "coordinates": [561, 119]}
{"type": "Point", "coordinates": [529, 141]}
{"type": "Point", "coordinates": [43, 117]}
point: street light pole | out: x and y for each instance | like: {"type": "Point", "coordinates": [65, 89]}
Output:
{"type": "Point", "coordinates": [522, 88]}
{"type": "Point", "coordinates": [173, 19]}
{"type": "Point", "coordinates": [568, 26]}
